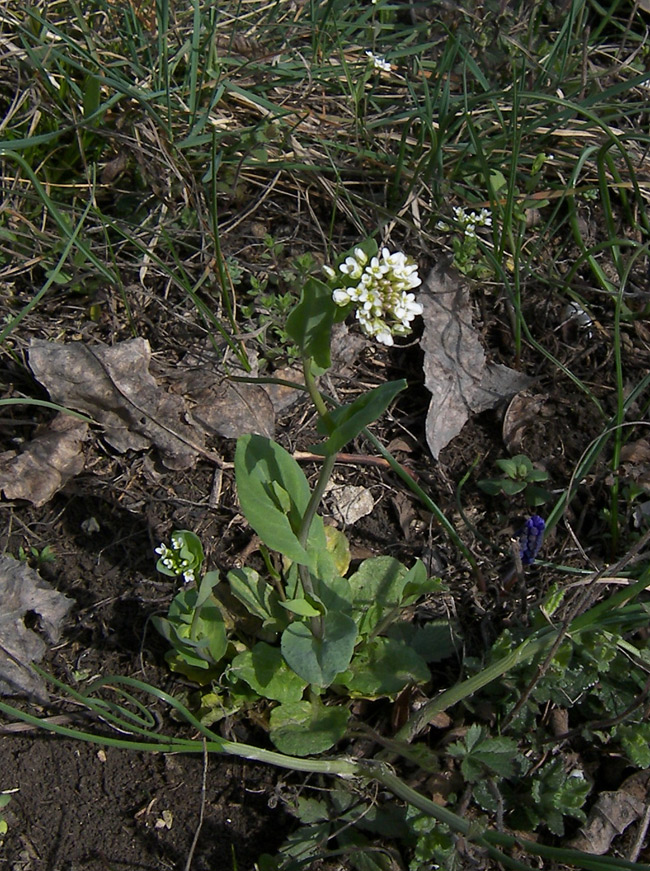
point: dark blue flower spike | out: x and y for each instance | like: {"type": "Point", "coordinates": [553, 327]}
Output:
{"type": "Point", "coordinates": [530, 539]}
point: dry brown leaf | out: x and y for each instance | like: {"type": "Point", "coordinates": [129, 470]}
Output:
{"type": "Point", "coordinates": [525, 412]}
{"type": "Point", "coordinates": [612, 813]}
{"type": "Point", "coordinates": [227, 408]}
{"type": "Point", "coordinates": [456, 373]}
{"type": "Point", "coordinates": [636, 452]}
{"type": "Point", "coordinates": [22, 590]}
{"type": "Point", "coordinates": [115, 387]}
{"type": "Point", "coordinates": [50, 459]}
{"type": "Point", "coordinates": [349, 503]}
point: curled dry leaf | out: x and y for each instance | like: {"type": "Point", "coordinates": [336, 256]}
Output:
{"type": "Point", "coordinates": [612, 813]}
{"type": "Point", "coordinates": [525, 413]}
{"type": "Point", "coordinates": [115, 387]}
{"type": "Point", "coordinates": [456, 372]}
{"type": "Point", "coordinates": [22, 591]}
{"type": "Point", "coordinates": [50, 459]}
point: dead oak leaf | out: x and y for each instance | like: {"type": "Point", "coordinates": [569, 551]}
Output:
{"type": "Point", "coordinates": [115, 387]}
{"type": "Point", "coordinates": [50, 459]}
{"type": "Point", "coordinates": [223, 407]}
{"type": "Point", "coordinates": [456, 372]}
{"type": "Point", "coordinates": [23, 591]}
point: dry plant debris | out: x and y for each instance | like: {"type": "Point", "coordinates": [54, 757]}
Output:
{"type": "Point", "coordinates": [22, 591]}
{"type": "Point", "coordinates": [51, 458]}
{"type": "Point", "coordinates": [456, 371]}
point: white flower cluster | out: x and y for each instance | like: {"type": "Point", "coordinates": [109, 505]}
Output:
{"type": "Point", "coordinates": [379, 63]}
{"type": "Point", "coordinates": [385, 308]}
{"type": "Point", "coordinates": [171, 558]}
{"type": "Point", "coordinates": [468, 221]}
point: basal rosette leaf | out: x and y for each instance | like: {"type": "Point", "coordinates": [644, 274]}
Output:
{"type": "Point", "coordinates": [306, 728]}
{"type": "Point", "coordinates": [383, 667]}
{"type": "Point", "coordinates": [319, 660]}
{"type": "Point", "coordinates": [264, 670]}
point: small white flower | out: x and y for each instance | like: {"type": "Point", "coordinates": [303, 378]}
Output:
{"type": "Point", "coordinates": [485, 218]}
{"type": "Point", "coordinates": [329, 272]}
{"type": "Point", "coordinates": [351, 267]}
{"type": "Point", "coordinates": [379, 63]}
{"type": "Point", "coordinates": [189, 576]}
{"type": "Point", "coordinates": [341, 297]}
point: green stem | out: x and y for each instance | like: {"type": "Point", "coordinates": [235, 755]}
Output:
{"type": "Point", "coordinates": [491, 840]}
{"type": "Point", "coordinates": [319, 490]}
{"type": "Point", "coordinates": [413, 486]}
{"type": "Point", "coordinates": [466, 688]}
{"type": "Point", "coordinates": [315, 394]}
{"type": "Point", "coordinates": [337, 767]}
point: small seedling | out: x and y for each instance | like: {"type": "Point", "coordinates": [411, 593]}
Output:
{"type": "Point", "coordinates": [5, 798]}
{"type": "Point", "coordinates": [36, 557]}
{"type": "Point", "coordinates": [519, 476]}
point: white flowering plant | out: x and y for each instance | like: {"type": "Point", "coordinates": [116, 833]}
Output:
{"type": "Point", "coordinates": [465, 227]}
{"type": "Point", "coordinates": [307, 633]}
{"type": "Point", "coordinates": [194, 625]}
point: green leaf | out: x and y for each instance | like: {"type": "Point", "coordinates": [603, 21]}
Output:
{"type": "Point", "coordinates": [536, 496]}
{"type": "Point", "coordinates": [261, 467]}
{"type": "Point", "coordinates": [349, 420]}
{"type": "Point", "coordinates": [311, 810]}
{"type": "Point", "coordinates": [383, 667]}
{"type": "Point", "coordinates": [91, 95]}
{"type": "Point", "coordinates": [264, 669]}
{"type": "Point", "coordinates": [557, 794]}
{"type": "Point", "coordinates": [417, 583]}
{"type": "Point", "coordinates": [509, 466]}
{"type": "Point", "coordinates": [258, 597]}
{"type": "Point", "coordinates": [635, 740]}
{"type": "Point", "coordinates": [511, 488]}
{"type": "Point", "coordinates": [433, 642]}
{"type": "Point", "coordinates": [301, 607]}
{"type": "Point", "coordinates": [482, 754]}
{"type": "Point", "coordinates": [205, 588]}
{"type": "Point", "coordinates": [377, 588]}
{"type": "Point", "coordinates": [319, 660]}
{"type": "Point", "coordinates": [491, 486]}
{"type": "Point", "coordinates": [306, 728]}
{"type": "Point", "coordinates": [310, 323]}
{"type": "Point", "coordinates": [198, 634]}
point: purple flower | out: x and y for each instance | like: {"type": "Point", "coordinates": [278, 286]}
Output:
{"type": "Point", "coordinates": [531, 538]}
